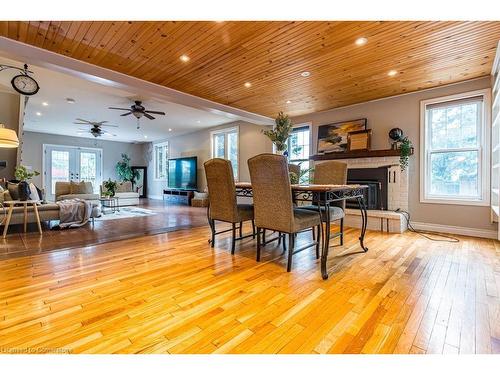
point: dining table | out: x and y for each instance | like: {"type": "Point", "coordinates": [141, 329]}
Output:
{"type": "Point", "coordinates": [323, 196]}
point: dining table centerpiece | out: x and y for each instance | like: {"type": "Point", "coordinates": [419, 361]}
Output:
{"type": "Point", "coordinates": [280, 133]}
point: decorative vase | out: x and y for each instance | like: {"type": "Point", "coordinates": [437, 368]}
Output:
{"type": "Point", "coordinates": [24, 191]}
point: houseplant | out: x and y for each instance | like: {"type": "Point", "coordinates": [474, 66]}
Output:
{"type": "Point", "coordinates": [280, 133]}
{"type": "Point", "coordinates": [110, 187]}
{"type": "Point", "coordinates": [125, 171]}
{"type": "Point", "coordinates": [23, 175]}
{"type": "Point", "coordinates": [298, 179]}
{"type": "Point", "coordinates": [405, 149]}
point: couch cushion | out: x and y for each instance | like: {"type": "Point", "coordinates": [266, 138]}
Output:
{"type": "Point", "coordinates": [89, 197]}
{"type": "Point", "coordinates": [124, 187]}
{"type": "Point", "coordinates": [81, 188]}
{"type": "Point", "coordinates": [41, 207]}
{"type": "Point", "coordinates": [127, 195]}
{"type": "Point", "coordinates": [62, 188]}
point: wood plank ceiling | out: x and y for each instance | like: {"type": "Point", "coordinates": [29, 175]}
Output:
{"type": "Point", "coordinates": [223, 56]}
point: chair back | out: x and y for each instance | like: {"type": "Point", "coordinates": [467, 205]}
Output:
{"type": "Point", "coordinates": [331, 173]}
{"type": "Point", "coordinates": [221, 190]}
{"type": "Point", "coordinates": [272, 194]}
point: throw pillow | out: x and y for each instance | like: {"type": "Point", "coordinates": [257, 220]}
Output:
{"type": "Point", "coordinates": [34, 193]}
{"type": "Point", "coordinates": [78, 188]}
{"type": "Point", "coordinates": [13, 190]}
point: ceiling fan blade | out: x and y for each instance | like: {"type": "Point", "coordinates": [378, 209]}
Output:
{"type": "Point", "coordinates": [81, 123]}
{"type": "Point", "coordinates": [82, 120]}
{"type": "Point", "coordinates": [126, 114]}
{"type": "Point", "coordinates": [148, 116]}
{"type": "Point", "coordinates": [110, 126]}
{"type": "Point", "coordinates": [121, 109]}
{"type": "Point", "coordinates": [156, 112]}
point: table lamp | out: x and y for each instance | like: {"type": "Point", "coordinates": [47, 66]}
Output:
{"type": "Point", "coordinates": [8, 138]}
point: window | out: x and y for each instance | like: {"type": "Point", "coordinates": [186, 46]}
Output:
{"type": "Point", "coordinates": [225, 146]}
{"type": "Point", "coordinates": [298, 150]}
{"type": "Point", "coordinates": [455, 149]}
{"type": "Point", "coordinates": [161, 161]}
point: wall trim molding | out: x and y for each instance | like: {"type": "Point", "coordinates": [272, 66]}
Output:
{"type": "Point", "coordinates": [450, 229]}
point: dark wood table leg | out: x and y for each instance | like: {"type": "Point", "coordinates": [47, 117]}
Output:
{"type": "Point", "coordinates": [364, 222]}
{"type": "Point", "coordinates": [326, 241]}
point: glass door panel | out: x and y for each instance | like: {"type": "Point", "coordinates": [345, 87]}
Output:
{"type": "Point", "coordinates": [59, 168]}
{"type": "Point", "coordinates": [88, 170]}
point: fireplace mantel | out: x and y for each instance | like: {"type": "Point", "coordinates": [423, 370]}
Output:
{"type": "Point", "coordinates": [356, 154]}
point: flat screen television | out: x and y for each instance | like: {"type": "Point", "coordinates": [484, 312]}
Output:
{"type": "Point", "coordinates": [182, 173]}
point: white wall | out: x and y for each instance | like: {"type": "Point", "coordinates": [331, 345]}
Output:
{"type": "Point", "coordinates": [32, 148]}
{"type": "Point", "coordinates": [251, 142]}
{"type": "Point", "coordinates": [9, 116]}
{"type": "Point", "coordinates": [404, 112]}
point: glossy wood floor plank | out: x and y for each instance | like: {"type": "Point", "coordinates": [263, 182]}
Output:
{"type": "Point", "coordinates": [173, 293]}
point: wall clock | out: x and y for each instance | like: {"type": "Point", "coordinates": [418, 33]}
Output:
{"type": "Point", "coordinates": [24, 84]}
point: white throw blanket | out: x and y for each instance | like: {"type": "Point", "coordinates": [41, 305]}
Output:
{"type": "Point", "coordinates": [74, 213]}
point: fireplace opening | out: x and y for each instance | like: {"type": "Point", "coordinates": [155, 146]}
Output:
{"type": "Point", "coordinates": [376, 196]}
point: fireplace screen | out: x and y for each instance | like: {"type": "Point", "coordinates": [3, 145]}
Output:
{"type": "Point", "coordinates": [377, 180]}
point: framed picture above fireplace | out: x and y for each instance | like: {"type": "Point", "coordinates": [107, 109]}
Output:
{"type": "Point", "coordinates": [334, 137]}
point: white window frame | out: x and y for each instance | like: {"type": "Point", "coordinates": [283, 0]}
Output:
{"type": "Point", "coordinates": [226, 131]}
{"type": "Point", "coordinates": [484, 154]}
{"type": "Point", "coordinates": [155, 145]}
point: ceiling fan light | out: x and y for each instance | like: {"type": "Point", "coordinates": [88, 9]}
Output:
{"type": "Point", "coordinates": [8, 138]}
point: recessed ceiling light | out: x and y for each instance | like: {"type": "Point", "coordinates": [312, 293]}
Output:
{"type": "Point", "coordinates": [288, 101]}
{"type": "Point", "coordinates": [185, 58]}
{"type": "Point", "coordinates": [39, 113]}
{"type": "Point", "coordinates": [248, 84]}
{"type": "Point", "coordinates": [45, 104]}
{"type": "Point", "coordinates": [145, 136]}
{"type": "Point", "coordinates": [305, 74]}
{"type": "Point", "coordinates": [392, 73]}
{"type": "Point", "coordinates": [70, 100]}
{"type": "Point", "coordinates": [198, 122]}
{"type": "Point", "coordinates": [169, 129]}
{"type": "Point", "coordinates": [361, 41]}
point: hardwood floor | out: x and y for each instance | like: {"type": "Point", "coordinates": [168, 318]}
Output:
{"type": "Point", "coordinates": [172, 293]}
{"type": "Point", "coordinates": [168, 217]}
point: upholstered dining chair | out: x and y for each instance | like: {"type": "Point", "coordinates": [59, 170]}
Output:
{"type": "Point", "coordinates": [273, 206]}
{"type": "Point", "coordinates": [332, 173]}
{"type": "Point", "coordinates": [223, 204]}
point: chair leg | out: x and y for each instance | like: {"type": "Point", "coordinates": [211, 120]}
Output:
{"type": "Point", "coordinates": [313, 233]}
{"type": "Point", "coordinates": [279, 238]}
{"type": "Point", "coordinates": [318, 240]}
{"type": "Point", "coordinates": [341, 232]}
{"type": "Point", "coordinates": [258, 244]}
{"type": "Point", "coordinates": [233, 238]}
{"type": "Point", "coordinates": [284, 242]}
{"type": "Point", "coordinates": [253, 229]}
{"type": "Point", "coordinates": [241, 229]}
{"type": "Point", "coordinates": [291, 243]}
{"type": "Point", "coordinates": [263, 236]}
{"type": "Point", "coordinates": [212, 241]}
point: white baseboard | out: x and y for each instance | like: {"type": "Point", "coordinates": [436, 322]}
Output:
{"type": "Point", "coordinates": [473, 232]}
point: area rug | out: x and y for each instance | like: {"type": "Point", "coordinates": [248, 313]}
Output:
{"type": "Point", "coordinates": [125, 213]}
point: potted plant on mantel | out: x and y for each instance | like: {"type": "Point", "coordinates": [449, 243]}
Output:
{"type": "Point", "coordinates": [22, 174]}
{"type": "Point", "coordinates": [280, 133]}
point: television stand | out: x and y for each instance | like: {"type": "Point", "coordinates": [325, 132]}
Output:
{"type": "Point", "coordinates": [181, 193]}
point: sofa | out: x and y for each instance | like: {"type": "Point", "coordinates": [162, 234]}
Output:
{"type": "Point", "coordinates": [71, 190]}
{"type": "Point", "coordinates": [125, 194]}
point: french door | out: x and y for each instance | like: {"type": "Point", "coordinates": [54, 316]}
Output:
{"type": "Point", "coordinates": [64, 163]}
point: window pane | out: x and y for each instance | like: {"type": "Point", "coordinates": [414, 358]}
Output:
{"type": "Point", "coordinates": [232, 144]}
{"type": "Point", "coordinates": [88, 168]}
{"type": "Point", "coordinates": [298, 145]}
{"type": "Point", "coordinates": [59, 169]}
{"type": "Point", "coordinates": [219, 151]}
{"type": "Point", "coordinates": [455, 174]}
{"type": "Point", "coordinates": [161, 161]}
{"type": "Point", "coordinates": [455, 126]}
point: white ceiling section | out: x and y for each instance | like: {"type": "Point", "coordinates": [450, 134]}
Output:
{"type": "Point", "coordinates": [92, 98]}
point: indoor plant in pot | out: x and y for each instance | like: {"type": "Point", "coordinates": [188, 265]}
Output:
{"type": "Point", "coordinates": [280, 133]}
{"type": "Point", "coordinates": [110, 187]}
{"type": "Point", "coordinates": [125, 171]}
{"type": "Point", "coordinates": [23, 175]}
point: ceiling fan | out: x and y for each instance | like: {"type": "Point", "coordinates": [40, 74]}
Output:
{"type": "Point", "coordinates": [95, 128]}
{"type": "Point", "coordinates": [138, 110]}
